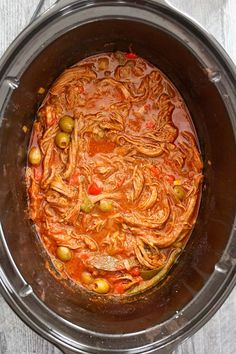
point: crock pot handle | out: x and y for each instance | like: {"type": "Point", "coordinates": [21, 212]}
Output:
{"type": "Point", "coordinates": [37, 10]}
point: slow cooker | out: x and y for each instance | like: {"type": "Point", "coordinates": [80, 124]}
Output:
{"type": "Point", "coordinates": [205, 273]}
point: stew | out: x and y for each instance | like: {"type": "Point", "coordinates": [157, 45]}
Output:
{"type": "Point", "coordinates": [114, 174]}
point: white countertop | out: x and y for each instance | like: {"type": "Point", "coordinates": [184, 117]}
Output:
{"type": "Point", "coordinates": [218, 336]}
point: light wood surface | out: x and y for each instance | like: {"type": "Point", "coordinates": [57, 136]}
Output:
{"type": "Point", "coordinates": [218, 336]}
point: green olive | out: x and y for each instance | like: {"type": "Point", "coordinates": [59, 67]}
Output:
{"type": "Point", "coordinates": [120, 56]}
{"type": "Point", "coordinates": [62, 140]}
{"type": "Point", "coordinates": [179, 192]}
{"type": "Point", "coordinates": [178, 244]}
{"type": "Point", "coordinates": [35, 156]}
{"type": "Point", "coordinates": [103, 63]}
{"type": "Point", "coordinates": [87, 205]}
{"type": "Point", "coordinates": [64, 253]}
{"type": "Point", "coordinates": [66, 124]}
{"type": "Point", "coordinates": [101, 286]}
{"type": "Point", "coordinates": [86, 278]}
{"type": "Point", "coordinates": [106, 205]}
{"type": "Point", "coordinates": [130, 63]}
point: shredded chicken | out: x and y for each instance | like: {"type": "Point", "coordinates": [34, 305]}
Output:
{"type": "Point", "coordinates": [149, 201]}
{"type": "Point", "coordinates": [150, 258]}
{"type": "Point", "coordinates": [72, 152]}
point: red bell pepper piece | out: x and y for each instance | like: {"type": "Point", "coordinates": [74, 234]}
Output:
{"type": "Point", "coordinates": [169, 178]}
{"type": "Point", "coordinates": [94, 189]}
{"type": "Point", "coordinates": [131, 56]}
{"type": "Point", "coordinates": [155, 171]}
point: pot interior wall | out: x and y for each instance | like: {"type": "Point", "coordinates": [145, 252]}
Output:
{"type": "Point", "coordinates": [216, 141]}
